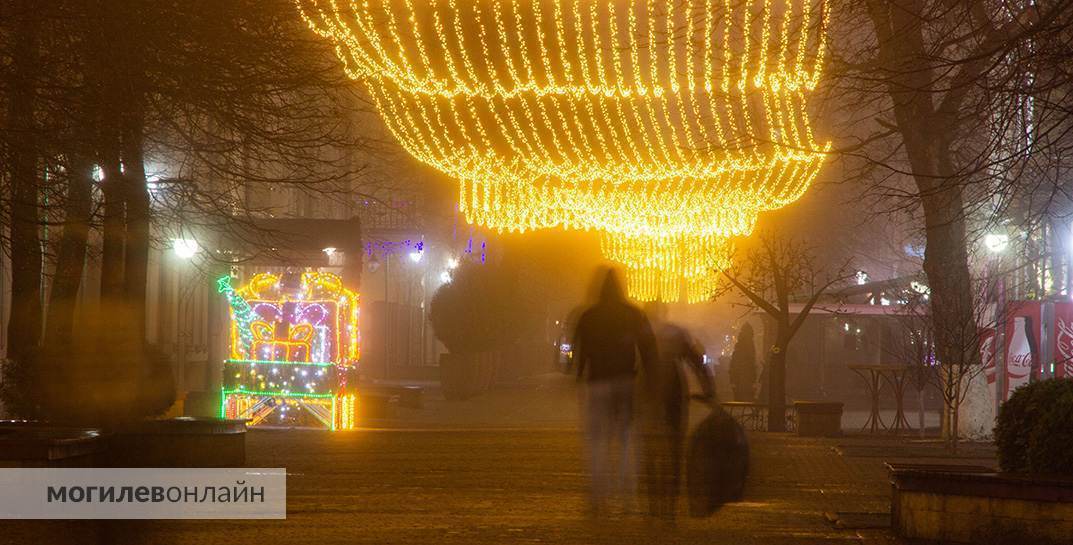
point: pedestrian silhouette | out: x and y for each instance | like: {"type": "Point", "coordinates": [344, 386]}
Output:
{"type": "Point", "coordinates": [609, 337]}
{"type": "Point", "coordinates": [743, 365]}
{"type": "Point", "coordinates": [666, 409]}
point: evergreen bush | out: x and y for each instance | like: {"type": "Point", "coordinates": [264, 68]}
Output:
{"type": "Point", "coordinates": [1033, 433]}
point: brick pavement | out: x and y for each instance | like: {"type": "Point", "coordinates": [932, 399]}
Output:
{"type": "Point", "coordinates": [486, 486]}
{"type": "Point", "coordinates": [519, 485]}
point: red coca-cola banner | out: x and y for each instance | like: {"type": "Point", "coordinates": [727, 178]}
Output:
{"type": "Point", "coordinates": [1022, 343]}
{"type": "Point", "coordinates": [1063, 339]}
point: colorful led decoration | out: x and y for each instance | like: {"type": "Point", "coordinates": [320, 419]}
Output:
{"type": "Point", "coordinates": [666, 125]}
{"type": "Point", "coordinates": [291, 347]}
{"type": "Point", "coordinates": [390, 247]}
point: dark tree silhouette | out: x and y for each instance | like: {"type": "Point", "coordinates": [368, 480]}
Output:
{"type": "Point", "coordinates": [773, 273]}
{"type": "Point", "coordinates": [956, 112]}
{"type": "Point", "coordinates": [233, 96]}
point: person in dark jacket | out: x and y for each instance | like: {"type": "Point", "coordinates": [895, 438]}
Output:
{"type": "Point", "coordinates": [609, 337]}
{"type": "Point", "coordinates": [743, 365]}
{"type": "Point", "coordinates": [666, 409]}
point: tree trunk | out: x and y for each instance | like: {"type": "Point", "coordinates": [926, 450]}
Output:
{"type": "Point", "coordinates": [946, 264]}
{"type": "Point", "coordinates": [927, 131]}
{"type": "Point", "coordinates": [777, 389]}
{"type": "Point", "coordinates": [136, 247]}
{"type": "Point", "coordinates": [24, 328]}
{"type": "Point", "coordinates": [112, 239]}
{"type": "Point", "coordinates": [944, 426]}
{"type": "Point", "coordinates": [107, 73]}
{"type": "Point", "coordinates": [920, 411]}
{"type": "Point", "coordinates": [954, 432]}
{"type": "Point", "coordinates": [70, 262]}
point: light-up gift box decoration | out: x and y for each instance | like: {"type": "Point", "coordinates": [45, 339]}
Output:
{"type": "Point", "coordinates": [293, 345]}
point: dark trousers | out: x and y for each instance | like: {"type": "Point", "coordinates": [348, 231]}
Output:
{"type": "Point", "coordinates": [610, 418]}
{"type": "Point", "coordinates": [664, 440]}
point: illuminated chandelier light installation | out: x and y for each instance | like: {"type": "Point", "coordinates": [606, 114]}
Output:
{"type": "Point", "coordinates": [666, 125]}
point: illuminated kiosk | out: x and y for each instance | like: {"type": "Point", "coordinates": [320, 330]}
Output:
{"type": "Point", "coordinates": [294, 346]}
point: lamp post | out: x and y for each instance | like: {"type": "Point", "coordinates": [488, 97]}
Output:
{"type": "Point", "coordinates": [996, 244]}
{"type": "Point", "coordinates": [417, 259]}
{"type": "Point", "coordinates": [184, 249]}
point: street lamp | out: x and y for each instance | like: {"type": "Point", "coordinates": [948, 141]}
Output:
{"type": "Point", "coordinates": [335, 257]}
{"type": "Point", "coordinates": [996, 242]}
{"type": "Point", "coordinates": [185, 248]}
{"type": "Point", "coordinates": [416, 256]}
{"type": "Point", "coordinates": [374, 265]}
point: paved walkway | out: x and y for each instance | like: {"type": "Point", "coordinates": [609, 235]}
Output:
{"type": "Point", "coordinates": [508, 469]}
{"type": "Point", "coordinates": [482, 486]}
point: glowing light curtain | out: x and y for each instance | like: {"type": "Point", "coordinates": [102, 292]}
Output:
{"type": "Point", "coordinates": [666, 125]}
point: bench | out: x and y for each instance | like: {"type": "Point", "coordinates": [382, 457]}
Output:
{"type": "Point", "coordinates": [753, 416]}
{"type": "Point", "coordinates": [409, 396]}
{"type": "Point", "coordinates": [32, 444]}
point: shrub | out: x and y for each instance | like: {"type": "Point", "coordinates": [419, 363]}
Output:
{"type": "Point", "coordinates": [1033, 432]}
{"type": "Point", "coordinates": [19, 388]}
{"type": "Point", "coordinates": [104, 382]}
{"type": "Point", "coordinates": [477, 311]}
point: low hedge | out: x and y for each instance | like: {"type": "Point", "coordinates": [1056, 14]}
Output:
{"type": "Point", "coordinates": [1034, 430]}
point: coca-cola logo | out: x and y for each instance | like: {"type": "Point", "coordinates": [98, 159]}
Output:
{"type": "Point", "coordinates": [1020, 365]}
{"type": "Point", "coordinates": [1064, 340]}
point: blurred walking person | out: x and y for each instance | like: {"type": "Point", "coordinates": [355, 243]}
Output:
{"type": "Point", "coordinates": [665, 414]}
{"type": "Point", "coordinates": [609, 337]}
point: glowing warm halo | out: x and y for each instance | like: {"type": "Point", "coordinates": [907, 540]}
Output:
{"type": "Point", "coordinates": [667, 125]}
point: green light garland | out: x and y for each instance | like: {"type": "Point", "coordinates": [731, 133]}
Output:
{"type": "Point", "coordinates": [276, 394]}
{"type": "Point", "coordinates": [267, 362]}
{"type": "Point", "coordinates": [240, 309]}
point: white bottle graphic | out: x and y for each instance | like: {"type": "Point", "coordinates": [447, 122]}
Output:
{"type": "Point", "coordinates": [1018, 357]}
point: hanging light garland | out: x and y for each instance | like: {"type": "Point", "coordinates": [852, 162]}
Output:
{"type": "Point", "coordinates": [666, 125]}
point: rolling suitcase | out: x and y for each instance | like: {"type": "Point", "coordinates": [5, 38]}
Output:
{"type": "Point", "coordinates": [717, 463]}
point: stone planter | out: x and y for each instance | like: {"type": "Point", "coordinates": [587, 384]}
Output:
{"type": "Point", "coordinates": [818, 418]}
{"type": "Point", "coordinates": [463, 376]}
{"type": "Point", "coordinates": [375, 406]}
{"type": "Point", "coordinates": [30, 444]}
{"type": "Point", "coordinates": [412, 397]}
{"type": "Point", "coordinates": [455, 377]}
{"type": "Point", "coordinates": [180, 442]}
{"type": "Point", "coordinates": [976, 505]}
{"type": "Point", "coordinates": [202, 404]}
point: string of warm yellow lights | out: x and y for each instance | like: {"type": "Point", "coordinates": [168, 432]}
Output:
{"type": "Point", "coordinates": [667, 125]}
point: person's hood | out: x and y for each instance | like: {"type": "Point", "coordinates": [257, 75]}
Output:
{"type": "Point", "coordinates": [611, 291]}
